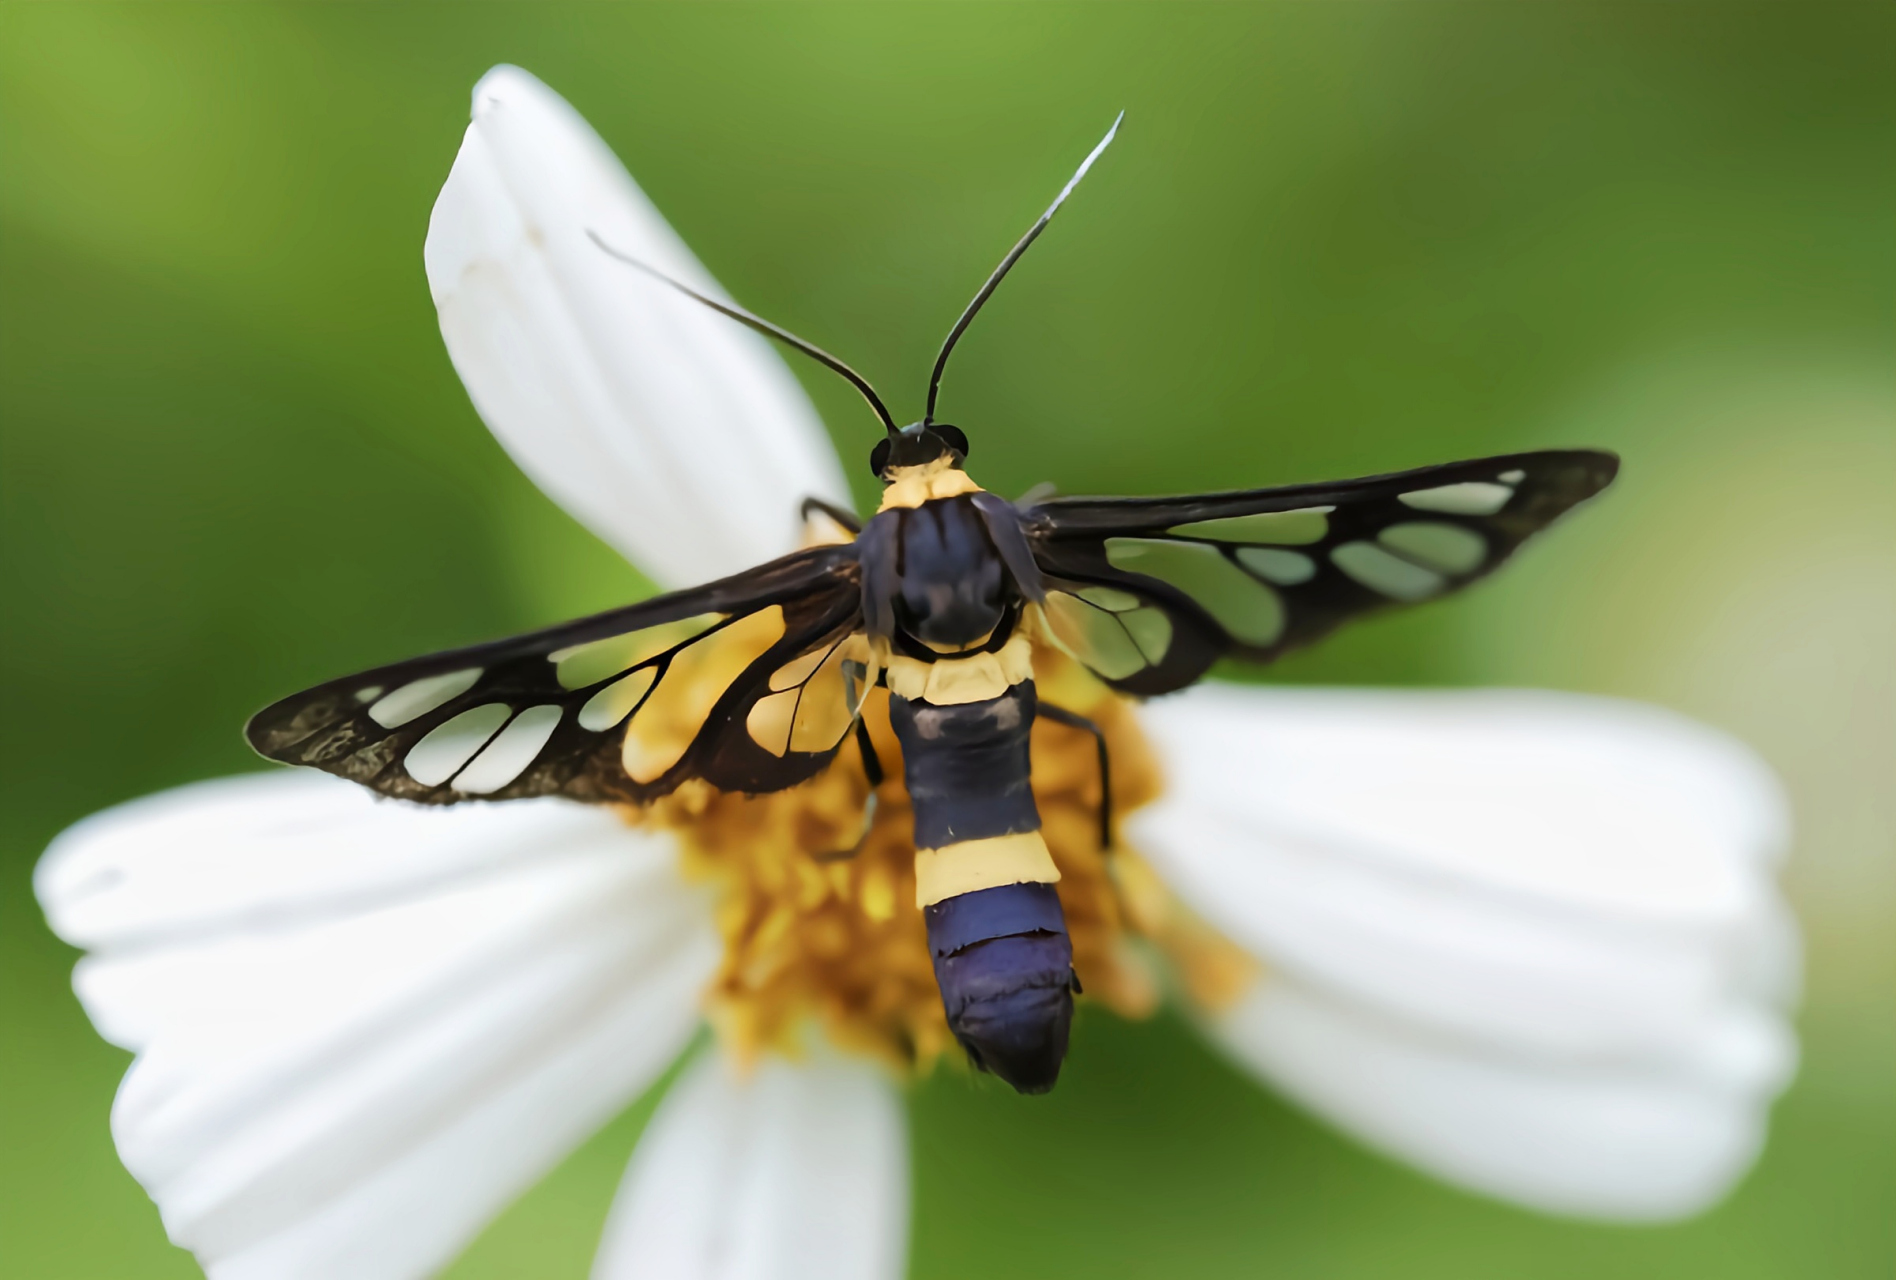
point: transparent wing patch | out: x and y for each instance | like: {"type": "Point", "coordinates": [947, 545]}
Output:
{"type": "Point", "coordinates": [1114, 632]}
{"type": "Point", "coordinates": [1148, 592]}
{"type": "Point", "coordinates": [622, 706]}
{"type": "Point", "coordinates": [814, 699]}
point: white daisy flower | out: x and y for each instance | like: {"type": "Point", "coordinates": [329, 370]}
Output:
{"type": "Point", "coordinates": [1529, 942]}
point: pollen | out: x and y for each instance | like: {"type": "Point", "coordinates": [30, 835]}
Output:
{"type": "Point", "coordinates": [818, 914]}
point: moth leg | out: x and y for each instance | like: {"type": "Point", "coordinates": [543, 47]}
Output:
{"type": "Point", "coordinates": [846, 518]}
{"type": "Point", "coordinates": [1060, 715]}
{"type": "Point", "coordinates": [872, 770]}
{"type": "Point", "coordinates": [871, 762]}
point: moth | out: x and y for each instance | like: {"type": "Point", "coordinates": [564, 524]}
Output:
{"type": "Point", "coordinates": [757, 682]}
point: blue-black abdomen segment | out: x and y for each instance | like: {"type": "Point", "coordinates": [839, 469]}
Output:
{"type": "Point", "coordinates": [967, 766]}
{"type": "Point", "coordinates": [1005, 969]}
{"type": "Point", "coordinates": [1001, 954]}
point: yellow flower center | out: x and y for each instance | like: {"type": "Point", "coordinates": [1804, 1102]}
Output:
{"type": "Point", "coordinates": [814, 935]}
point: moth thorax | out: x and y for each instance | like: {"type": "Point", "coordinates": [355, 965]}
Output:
{"type": "Point", "coordinates": [953, 590]}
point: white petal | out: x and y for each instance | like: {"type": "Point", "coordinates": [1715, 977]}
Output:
{"type": "Point", "coordinates": [1616, 1140]}
{"type": "Point", "coordinates": [363, 1026]}
{"type": "Point", "coordinates": [674, 433]}
{"type": "Point", "coordinates": [796, 1172]}
{"type": "Point", "coordinates": [1628, 807]}
{"type": "Point", "coordinates": [1522, 880]}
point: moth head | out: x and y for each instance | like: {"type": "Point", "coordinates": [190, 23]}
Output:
{"type": "Point", "coordinates": [917, 445]}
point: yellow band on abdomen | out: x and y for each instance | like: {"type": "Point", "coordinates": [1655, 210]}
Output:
{"type": "Point", "coordinates": [971, 865]}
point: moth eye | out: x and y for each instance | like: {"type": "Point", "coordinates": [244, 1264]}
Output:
{"type": "Point", "coordinates": [952, 436]}
{"type": "Point", "coordinates": [1387, 574]}
{"type": "Point", "coordinates": [1469, 498]}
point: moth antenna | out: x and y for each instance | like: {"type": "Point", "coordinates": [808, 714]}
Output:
{"type": "Point", "coordinates": [1007, 264]}
{"type": "Point", "coordinates": [764, 327]}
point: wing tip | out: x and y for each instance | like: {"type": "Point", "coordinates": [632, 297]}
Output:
{"type": "Point", "coordinates": [1602, 467]}
{"type": "Point", "coordinates": [259, 733]}
{"type": "Point", "coordinates": [1609, 465]}
{"type": "Point", "coordinates": [1586, 471]}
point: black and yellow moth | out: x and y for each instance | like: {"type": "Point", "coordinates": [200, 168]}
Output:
{"type": "Point", "coordinates": [755, 683]}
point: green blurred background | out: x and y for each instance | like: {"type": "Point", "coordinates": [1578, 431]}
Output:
{"type": "Point", "coordinates": [1332, 239]}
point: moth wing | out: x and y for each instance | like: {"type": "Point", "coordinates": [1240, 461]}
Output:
{"type": "Point", "coordinates": [1149, 592]}
{"type": "Point", "coordinates": [621, 706]}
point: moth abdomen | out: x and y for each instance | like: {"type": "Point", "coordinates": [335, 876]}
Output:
{"type": "Point", "coordinates": [967, 766]}
{"type": "Point", "coordinates": [1004, 964]}
{"type": "Point", "coordinates": [984, 881]}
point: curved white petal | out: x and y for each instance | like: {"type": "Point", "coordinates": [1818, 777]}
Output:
{"type": "Point", "coordinates": [797, 1171]}
{"type": "Point", "coordinates": [674, 433]}
{"type": "Point", "coordinates": [1606, 1139]}
{"type": "Point", "coordinates": [362, 1026]}
{"type": "Point", "coordinates": [1559, 890]}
